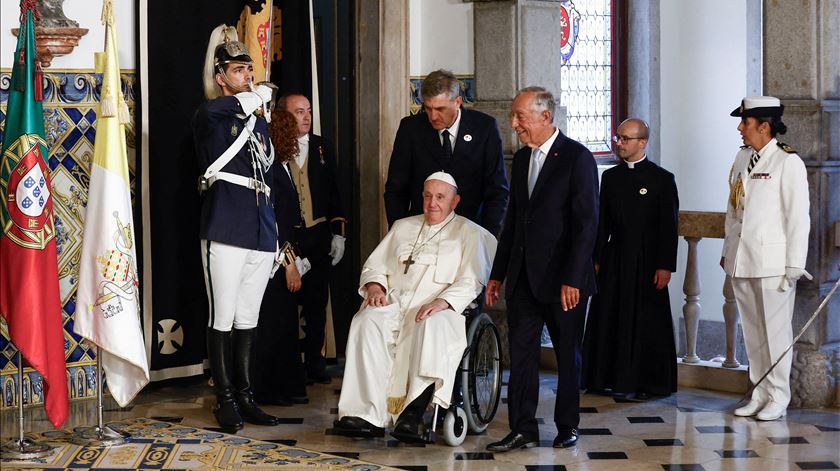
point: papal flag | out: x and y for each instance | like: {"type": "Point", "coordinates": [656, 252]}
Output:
{"type": "Point", "coordinates": [107, 305]}
{"type": "Point", "coordinates": [29, 296]}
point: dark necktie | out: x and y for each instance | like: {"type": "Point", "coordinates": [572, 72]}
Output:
{"type": "Point", "coordinates": [753, 161]}
{"type": "Point", "coordinates": [447, 146]}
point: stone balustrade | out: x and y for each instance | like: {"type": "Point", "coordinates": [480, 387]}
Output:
{"type": "Point", "coordinates": [694, 226]}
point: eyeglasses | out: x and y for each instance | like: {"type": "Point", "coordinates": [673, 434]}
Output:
{"type": "Point", "coordinates": [620, 138]}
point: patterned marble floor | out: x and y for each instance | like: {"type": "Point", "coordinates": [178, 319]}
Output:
{"type": "Point", "coordinates": [692, 430]}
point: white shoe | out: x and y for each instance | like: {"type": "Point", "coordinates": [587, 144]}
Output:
{"type": "Point", "coordinates": [750, 409]}
{"type": "Point", "coordinates": [772, 411]}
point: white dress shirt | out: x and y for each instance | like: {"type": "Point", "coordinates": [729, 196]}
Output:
{"type": "Point", "coordinates": [303, 145]}
{"type": "Point", "coordinates": [453, 132]}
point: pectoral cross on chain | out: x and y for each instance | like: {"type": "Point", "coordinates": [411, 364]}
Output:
{"type": "Point", "coordinates": [408, 262]}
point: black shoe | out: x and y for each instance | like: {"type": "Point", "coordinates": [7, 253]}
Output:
{"type": "Point", "coordinates": [227, 414]}
{"type": "Point", "coordinates": [410, 429]}
{"type": "Point", "coordinates": [351, 426]}
{"type": "Point", "coordinates": [566, 438]}
{"type": "Point", "coordinates": [320, 377]}
{"type": "Point", "coordinates": [636, 397]}
{"type": "Point", "coordinates": [297, 399]}
{"type": "Point", "coordinates": [513, 441]}
{"type": "Point", "coordinates": [274, 401]}
{"type": "Point", "coordinates": [251, 412]}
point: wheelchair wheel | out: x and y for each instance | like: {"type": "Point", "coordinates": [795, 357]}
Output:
{"type": "Point", "coordinates": [481, 373]}
{"type": "Point", "coordinates": [455, 426]}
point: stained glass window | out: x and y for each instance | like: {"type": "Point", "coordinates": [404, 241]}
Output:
{"type": "Point", "coordinates": [587, 76]}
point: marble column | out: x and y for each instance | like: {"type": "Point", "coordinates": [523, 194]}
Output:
{"type": "Point", "coordinates": [382, 77]}
{"type": "Point", "coordinates": [802, 67]}
{"type": "Point", "coordinates": [515, 48]}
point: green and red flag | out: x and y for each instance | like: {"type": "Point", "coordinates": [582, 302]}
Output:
{"type": "Point", "coordinates": [29, 295]}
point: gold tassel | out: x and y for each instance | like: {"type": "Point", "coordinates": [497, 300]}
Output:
{"type": "Point", "coordinates": [125, 116]}
{"type": "Point", "coordinates": [395, 404]}
{"type": "Point", "coordinates": [107, 107]}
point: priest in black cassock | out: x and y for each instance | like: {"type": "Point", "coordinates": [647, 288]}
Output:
{"type": "Point", "coordinates": [629, 340]}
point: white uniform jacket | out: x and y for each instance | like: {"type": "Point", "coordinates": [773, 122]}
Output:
{"type": "Point", "coordinates": [767, 221]}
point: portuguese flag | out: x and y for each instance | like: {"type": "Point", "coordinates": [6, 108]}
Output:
{"type": "Point", "coordinates": [29, 299]}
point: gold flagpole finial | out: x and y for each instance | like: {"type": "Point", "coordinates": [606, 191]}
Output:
{"type": "Point", "coordinates": [107, 12]}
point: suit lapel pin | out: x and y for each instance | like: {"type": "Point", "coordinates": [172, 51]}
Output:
{"type": "Point", "coordinates": [468, 137]}
{"type": "Point", "coordinates": [321, 154]}
{"type": "Point", "coordinates": [643, 191]}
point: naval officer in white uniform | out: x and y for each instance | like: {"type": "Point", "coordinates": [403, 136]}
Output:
{"type": "Point", "coordinates": [765, 247]}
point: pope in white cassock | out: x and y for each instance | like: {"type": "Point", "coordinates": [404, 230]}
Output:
{"type": "Point", "coordinates": [407, 340]}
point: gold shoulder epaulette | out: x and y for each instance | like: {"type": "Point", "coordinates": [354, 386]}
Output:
{"type": "Point", "coordinates": [786, 148]}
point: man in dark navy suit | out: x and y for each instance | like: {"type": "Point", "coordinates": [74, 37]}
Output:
{"type": "Point", "coordinates": [545, 251]}
{"type": "Point", "coordinates": [445, 137]}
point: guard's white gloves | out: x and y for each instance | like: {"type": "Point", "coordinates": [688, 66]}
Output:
{"type": "Point", "coordinates": [264, 92]}
{"type": "Point", "coordinates": [250, 101]}
{"type": "Point", "coordinates": [792, 275]}
{"type": "Point", "coordinates": [337, 249]}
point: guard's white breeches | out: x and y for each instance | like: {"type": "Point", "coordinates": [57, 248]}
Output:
{"type": "Point", "coordinates": [766, 315]}
{"type": "Point", "coordinates": [235, 278]}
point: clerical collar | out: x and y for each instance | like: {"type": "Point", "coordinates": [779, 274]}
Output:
{"type": "Point", "coordinates": [453, 130]}
{"type": "Point", "coordinates": [445, 221]}
{"type": "Point", "coordinates": [415, 249]}
{"type": "Point", "coordinates": [633, 164]}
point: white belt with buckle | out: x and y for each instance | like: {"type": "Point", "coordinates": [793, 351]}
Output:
{"type": "Point", "coordinates": [240, 180]}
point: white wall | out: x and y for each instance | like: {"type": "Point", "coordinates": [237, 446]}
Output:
{"type": "Point", "coordinates": [87, 13]}
{"type": "Point", "coordinates": [440, 36]}
{"type": "Point", "coordinates": [703, 78]}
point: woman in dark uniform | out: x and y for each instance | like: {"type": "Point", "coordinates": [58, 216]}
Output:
{"type": "Point", "coordinates": [280, 374]}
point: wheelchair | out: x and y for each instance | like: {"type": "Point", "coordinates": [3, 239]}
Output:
{"type": "Point", "coordinates": [478, 383]}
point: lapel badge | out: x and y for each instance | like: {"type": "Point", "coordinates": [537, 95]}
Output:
{"type": "Point", "coordinates": [321, 154]}
{"type": "Point", "coordinates": [234, 130]}
{"type": "Point", "coordinates": [467, 137]}
{"type": "Point", "coordinates": [643, 191]}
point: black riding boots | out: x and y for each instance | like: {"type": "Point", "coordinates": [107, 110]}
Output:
{"type": "Point", "coordinates": [219, 354]}
{"type": "Point", "coordinates": [244, 349]}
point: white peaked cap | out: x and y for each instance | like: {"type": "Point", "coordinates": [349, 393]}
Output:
{"type": "Point", "coordinates": [444, 177]}
{"type": "Point", "coordinates": [760, 102]}
{"type": "Point", "coordinates": [759, 106]}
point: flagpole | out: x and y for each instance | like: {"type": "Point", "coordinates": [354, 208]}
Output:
{"type": "Point", "coordinates": [269, 40]}
{"type": "Point", "coordinates": [23, 448]}
{"type": "Point", "coordinates": [98, 435]}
